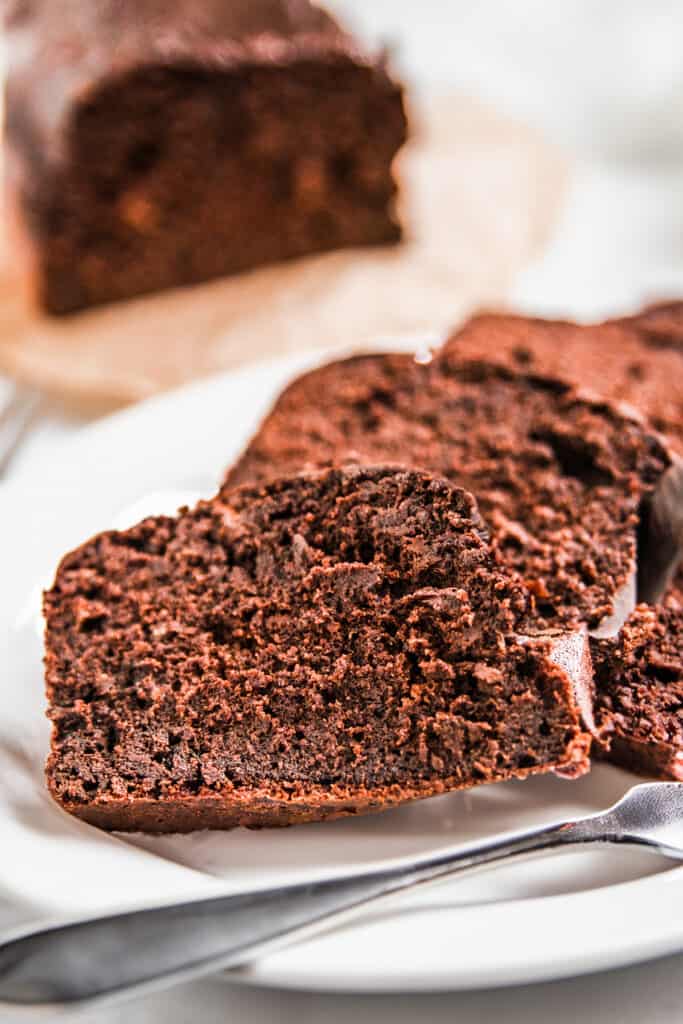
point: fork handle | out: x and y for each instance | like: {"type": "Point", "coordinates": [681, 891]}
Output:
{"type": "Point", "coordinates": [150, 949]}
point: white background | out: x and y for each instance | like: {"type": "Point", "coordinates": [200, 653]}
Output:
{"type": "Point", "coordinates": [604, 81]}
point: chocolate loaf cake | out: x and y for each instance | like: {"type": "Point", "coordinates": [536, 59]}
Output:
{"type": "Point", "coordinates": [639, 680]}
{"type": "Point", "coordinates": [563, 481]}
{"type": "Point", "coordinates": [330, 644]}
{"type": "Point", "coordinates": [152, 144]}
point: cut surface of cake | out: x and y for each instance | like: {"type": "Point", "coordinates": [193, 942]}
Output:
{"type": "Point", "coordinates": [333, 643]}
{"type": "Point", "coordinates": [639, 691]}
{"type": "Point", "coordinates": [151, 145]}
{"type": "Point", "coordinates": [563, 480]}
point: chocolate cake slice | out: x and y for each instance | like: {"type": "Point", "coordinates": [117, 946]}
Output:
{"type": "Point", "coordinates": [657, 384]}
{"type": "Point", "coordinates": [639, 680]}
{"type": "Point", "coordinates": [564, 481]}
{"type": "Point", "coordinates": [153, 144]}
{"type": "Point", "coordinates": [333, 643]}
{"type": "Point", "coordinates": [638, 359]}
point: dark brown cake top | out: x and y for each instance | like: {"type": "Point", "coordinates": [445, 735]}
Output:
{"type": "Point", "coordinates": [338, 629]}
{"type": "Point", "coordinates": [559, 477]}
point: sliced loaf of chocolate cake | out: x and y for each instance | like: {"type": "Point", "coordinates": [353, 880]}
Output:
{"type": "Point", "coordinates": [639, 681]}
{"type": "Point", "coordinates": [151, 144]}
{"type": "Point", "coordinates": [564, 481]}
{"type": "Point", "coordinates": [332, 643]}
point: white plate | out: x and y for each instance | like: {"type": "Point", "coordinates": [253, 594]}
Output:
{"type": "Point", "coordinates": [544, 919]}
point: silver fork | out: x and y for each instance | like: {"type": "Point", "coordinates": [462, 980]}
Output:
{"type": "Point", "coordinates": [125, 954]}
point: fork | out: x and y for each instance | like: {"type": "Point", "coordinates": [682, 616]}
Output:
{"type": "Point", "coordinates": [88, 962]}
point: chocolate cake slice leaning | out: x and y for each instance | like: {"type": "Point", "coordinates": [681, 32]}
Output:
{"type": "Point", "coordinates": [637, 359]}
{"type": "Point", "coordinates": [332, 643]}
{"type": "Point", "coordinates": [152, 144]}
{"type": "Point", "coordinates": [569, 485]}
{"type": "Point", "coordinates": [639, 682]}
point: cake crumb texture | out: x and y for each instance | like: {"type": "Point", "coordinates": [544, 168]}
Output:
{"type": "Point", "coordinates": [332, 643]}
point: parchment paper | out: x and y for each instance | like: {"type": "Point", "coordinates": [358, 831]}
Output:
{"type": "Point", "coordinates": [478, 195]}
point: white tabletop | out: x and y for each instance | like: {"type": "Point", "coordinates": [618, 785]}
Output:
{"type": "Point", "coordinates": [649, 993]}
{"type": "Point", "coordinates": [604, 82]}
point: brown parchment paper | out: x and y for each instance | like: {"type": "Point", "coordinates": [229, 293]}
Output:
{"type": "Point", "coordinates": [479, 196]}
